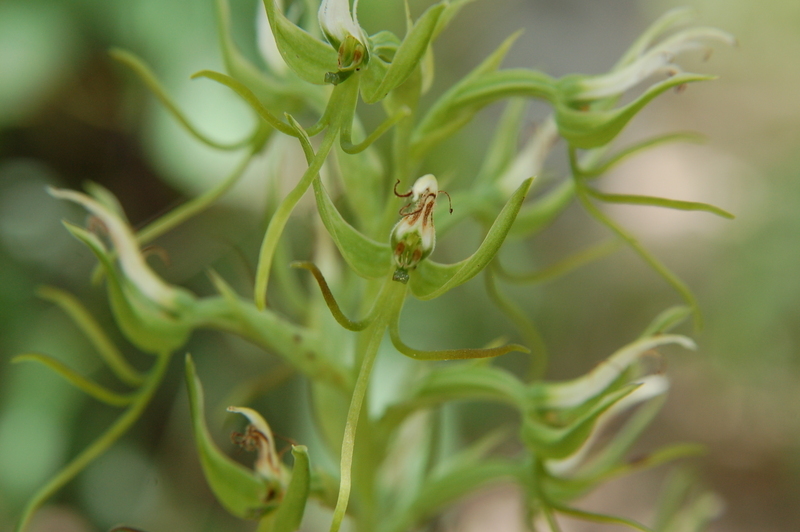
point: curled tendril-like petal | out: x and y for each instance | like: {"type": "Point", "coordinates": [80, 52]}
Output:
{"type": "Point", "coordinates": [343, 320]}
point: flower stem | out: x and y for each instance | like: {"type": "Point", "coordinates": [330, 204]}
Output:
{"type": "Point", "coordinates": [392, 295]}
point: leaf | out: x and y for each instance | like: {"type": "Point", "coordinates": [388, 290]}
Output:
{"type": "Point", "coordinates": [298, 345]}
{"type": "Point", "coordinates": [430, 279]}
{"type": "Point", "coordinates": [591, 129]}
{"type": "Point", "coordinates": [309, 57]}
{"type": "Point", "coordinates": [466, 381]}
{"type": "Point", "coordinates": [669, 19]}
{"type": "Point", "coordinates": [408, 55]}
{"type": "Point", "coordinates": [503, 147]}
{"type": "Point", "coordinates": [237, 488]}
{"type": "Point", "coordinates": [367, 258]}
{"type": "Point", "coordinates": [290, 512]}
{"type": "Point", "coordinates": [600, 518]}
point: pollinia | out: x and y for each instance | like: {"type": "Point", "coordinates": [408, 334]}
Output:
{"type": "Point", "coordinates": [381, 220]}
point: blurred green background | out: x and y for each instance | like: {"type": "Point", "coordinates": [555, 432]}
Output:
{"type": "Point", "coordinates": [69, 114]}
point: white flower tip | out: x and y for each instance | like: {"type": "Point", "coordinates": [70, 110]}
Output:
{"type": "Point", "coordinates": [426, 184]}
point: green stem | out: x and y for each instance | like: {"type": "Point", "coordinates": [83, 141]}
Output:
{"type": "Point", "coordinates": [391, 297]}
{"type": "Point", "coordinates": [101, 444]}
{"type": "Point", "coordinates": [281, 217]}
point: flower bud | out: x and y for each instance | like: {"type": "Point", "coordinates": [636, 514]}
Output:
{"type": "Point", "coordinates": [414, 237]}
{"type": "Point", "coordinates": [341, 29]}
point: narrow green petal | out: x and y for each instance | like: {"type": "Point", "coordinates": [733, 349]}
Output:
{"type": "Point", "coordinates": [430, 280]}
{"type": "Point", "coordinates": [87, 386]}
{"type": "Point", "coordinates": [450, 354]}
{"type": "Point", "coordinates": [309, 57]}
{"type": "Point", "coordinates": [633, 199]}
{"type": "Point", "coordinates": [290, 512]}
{"type": "Point", "coordinates": [143, 71]}
{"type": "Point", "coordinates": [368, 258]}
{"type": "Point", "coordinates": [343, 320]}
{"type": "Point", "coordinates": [105, 347]}
{"type": "Point", "coordinates": [408, 55]}
{"type": "Point", "coordinates": [667, 320]}
{"type": "Point", "coordinates": [587, 129]}
{"type": "Point", "coordinates": [247, 95]}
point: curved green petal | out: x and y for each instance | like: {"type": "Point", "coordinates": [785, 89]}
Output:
{"type": "Point", "coordinates": [368, 258]}
{"type": "Point", "coordinates": [431, 279]}
{"type": "Point", "coordinates": [242, 492]}
{"type": "Point", "coordinates": [309, 57]}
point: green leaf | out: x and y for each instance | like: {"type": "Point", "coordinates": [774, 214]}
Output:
{"type": "Point", "coordinates": [297, 345]}
{"type": "Point", "coordinates": [367, 258]}
{"type": "Point", "coordinates": [564, 266]}
{"type": "Point", "coordinates": [632, 199]}
{"type": "Point", "coordinates": [87, 386]}
{"type": "Point", "coordinates": [237, 488]}
{"type": "Point", "coordinates": [430, 279]}
{"type": "Point", "coordinates": [669, 19]}
{"type": "Point", "coordinates": [408, 55]}
{"type": "Point", "coordinates": [290, 512]}
{"type": "Point", "coordinates": [590, 129]}
{"type": "Point", "coordinates": [309, 57]}
{"type": "Point", "coordinates": [599, 518]}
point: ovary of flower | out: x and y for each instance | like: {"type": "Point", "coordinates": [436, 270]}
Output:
{"type": "Point", "coordinates": [258, 436]}
{"type": "Point", "coordinates": [414, 236]}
